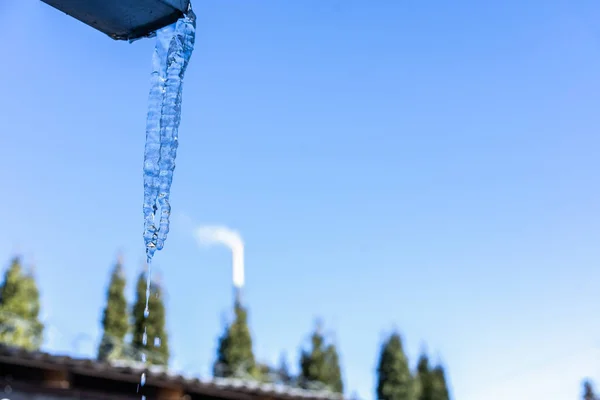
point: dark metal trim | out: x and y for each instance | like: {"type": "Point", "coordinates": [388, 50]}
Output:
{"type": "Point", "coordinates": [115, 23]}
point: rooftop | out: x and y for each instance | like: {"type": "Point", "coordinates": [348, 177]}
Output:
{"type": "Point", "coordinates": [28, 370]}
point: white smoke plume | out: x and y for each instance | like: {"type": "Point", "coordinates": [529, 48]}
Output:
{"type": "Point", "coordinates": [214, 235]}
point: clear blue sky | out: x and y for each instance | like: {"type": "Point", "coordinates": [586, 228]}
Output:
{"type": "Point", "coordinates": [427, 166]}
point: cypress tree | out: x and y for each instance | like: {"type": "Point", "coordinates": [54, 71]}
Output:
{"type": "Point", "coordinates": [394, 380]}
{"type": "Point", "coordinates": [283, 372]}
{"type": "Point", "coordinates": [312, 363]}
{"type": "Point", "coordinates": [588, 391]}
{"type": "Point", "coordinates": [115, 318]}
{"type": "Point", "coordinates": [425, 381]}
{"type": "Point", "coordinates": [235, 357]}
{"type": "Point", "coordinates": [19, 309]}
{"type": "Point", "coordinates": [440, 386]}
{"type": "Point", "coordinates": [333, 370]}
{"type": "Point", "coordinates": [149, 333]}
{"type": "Point", "coordinates": [320, 366]}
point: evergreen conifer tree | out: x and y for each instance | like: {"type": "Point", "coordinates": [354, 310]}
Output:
{"type": "Point", "coordinates": [149, 333]}
{"type": "Point", "coordinates": [332, 370]}
{"type": "Point", "coordinates": [19, 309]}
{"type": "Point", "coordinates": [440, 386]}
{"type": "Point", "coordinates": [320, 365]}
{"type": "Point", "coordinates": [115, 318]}
{"type": "Point", "coordinates": [394, 380]}
{"type": "Point", "coordinates": [235, 357]}
{"type": "Point", "coordinates": [588, 391]}
{"type": "Point", "coordinates": [312, 363]}
{"type": "Point", "coordinates": [425, 381]}
{"type": "Point", "coordinates": [283, 371]}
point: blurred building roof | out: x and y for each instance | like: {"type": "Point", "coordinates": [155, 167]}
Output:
{"type": "Point", "coordinates": [38, 371]}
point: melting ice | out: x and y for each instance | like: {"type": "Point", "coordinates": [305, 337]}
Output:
{"type": "Point", "coordinates": [174, 46]}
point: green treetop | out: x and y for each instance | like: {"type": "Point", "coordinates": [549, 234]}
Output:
{"type": "Point", "coordinates": [115, 317]}
{"type": "Point", "coordinates": [424, 382]}
{"type": "Point", "coordinates": [320, 365]}
{"type": "Point", "coordinates": [149, 333]}
{"type": "Point", "coordinates": [312, 362]}
{"type": "Point", "coordinates": [333, 371]}
{"type": "Point", "coordinates": [394, 380]}
{"type": "Point", "coordinates": [235, 357]}
{"type": "Point", "coordinates": [19, 309]}
{"type": "Point", "coordinates": [440, 386]}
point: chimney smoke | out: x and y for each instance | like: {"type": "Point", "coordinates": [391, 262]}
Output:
{"type": "Point", "coordinates": [214, 235]}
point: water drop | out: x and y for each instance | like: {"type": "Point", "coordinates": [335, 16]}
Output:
{"type": "Point", "coordinates": [144, 357]}
{"type": "Point", "coordinates": [146, 311]}
{"type": "Point", "coordinates": [145, 338]}
{"type": "Point", "coordinates": [157, 342]}
{"type": "Point", "coordinates": [143, 379]}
